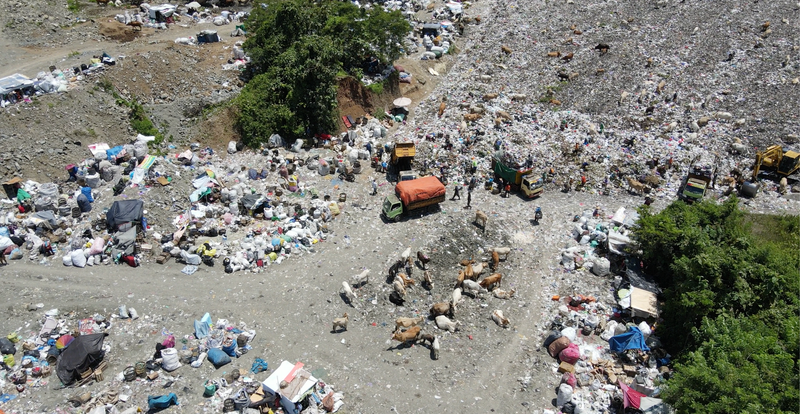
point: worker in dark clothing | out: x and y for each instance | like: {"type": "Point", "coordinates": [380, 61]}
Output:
{"type": "Point", "coordinates": [456, 193]}
{"type": "Point", "coordinates": [469, 199]}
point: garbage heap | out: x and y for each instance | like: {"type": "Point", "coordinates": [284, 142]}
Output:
{"type": "Point", "coordinates": [265, 202]}
{"type": "Point", "coordinates": [606, 353]}
{"type": "Point", "coordinates": [77, 351]}
{"type": "Point", "coordinates": [71, 348]}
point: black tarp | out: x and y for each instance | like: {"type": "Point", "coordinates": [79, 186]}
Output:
{"type": "Point", "coordinates": [638, 278]}
{"type": "Point", "coordinates": [84, 352]}
{"type": "Point", "coordinates": [252, 201]}
{"type": "Point", "coordinates": [124, 211]}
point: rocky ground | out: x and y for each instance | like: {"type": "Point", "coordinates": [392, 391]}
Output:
{"type": "Point", "coordinates": [713, 59]}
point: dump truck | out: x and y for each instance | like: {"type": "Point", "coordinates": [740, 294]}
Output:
{"type": "Point", "coordinates": [520, 180]}
{"type": "Point", "coordinates": [402, 155]}
{"type": "Point", "coordinates": [413, 195]}
{"type": "Point", "coordinates": [697, 182]}
{"type": "Point", "coordinates": [773, 158]}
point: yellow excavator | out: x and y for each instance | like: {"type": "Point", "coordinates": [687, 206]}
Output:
{"type": "Point", "coordinates": [784, 163]}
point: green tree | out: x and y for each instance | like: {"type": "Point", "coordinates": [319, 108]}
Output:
{"type": "Point", "coordinates": [741, 366]}
{"type": "Point", "coordinates": [296, 48]}
{"type": "Point", "coordinates": [731, 306]}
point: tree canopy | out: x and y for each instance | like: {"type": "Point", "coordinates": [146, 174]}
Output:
{"type": "Point", "coordinates": [297, 48]}
{"type": "Point", "coordinates": [731, 307]}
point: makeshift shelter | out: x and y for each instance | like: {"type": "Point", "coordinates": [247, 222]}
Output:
{"type": "Point", "coordinates": [298, 383]}
{"type": "Point", "coordinates": [84, 352]}
{"type": "Point", "coordinates": [208, 36]}
{"type": "Point", "coordinates": [633, 339]}
{"type": "Point", "coordinates": [431, 29]}
{"type": "Point", "coordinates": [162, 12]}
{"type": "Point", "coordinates": [11, 84]}
{"type": "Point", "coordinates": [124, 214]}
{"type": "Point", "coordinates": [12, 186]}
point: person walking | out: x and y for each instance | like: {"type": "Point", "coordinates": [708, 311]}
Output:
{"type": "Point", "coordinates": [456, 192]}
{"type": "Point", "coordinates": [374, 186]}
{"type": "Point", "coordinates": [469, 199]}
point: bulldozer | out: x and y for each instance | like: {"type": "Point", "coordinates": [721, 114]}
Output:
{"type": "Point", "coordinates": [783, 163]}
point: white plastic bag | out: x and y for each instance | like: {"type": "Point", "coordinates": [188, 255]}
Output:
{"type": "Point", "coordinates": [78, 258]}
{"type": "Point", "coordinates": [170, 360]}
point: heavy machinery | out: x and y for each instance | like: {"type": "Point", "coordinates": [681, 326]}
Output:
{"type": "Point", "coordinates": [412, 195]}
{"type": "Point", "coordinates": [520, 179]}
{"type": "Point", "coordinates": [697, 182]}
{"type": "Point", "coordinates": [774, 158]}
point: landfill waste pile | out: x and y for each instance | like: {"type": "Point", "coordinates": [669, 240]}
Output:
{"type": "Point", "coordinates": [70, 352]}
{"type": "Point", "coordinates": [515, 293]}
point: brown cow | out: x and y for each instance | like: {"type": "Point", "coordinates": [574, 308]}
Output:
{"type": "Point", "coordinates": [490, 281]}
{"type": "Point", "coordinates": [409, 335]}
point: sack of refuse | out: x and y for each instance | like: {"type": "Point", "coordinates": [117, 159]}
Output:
{"type": "Point", "coordinates": [217, 357]}
{"type": "Point", "coordinates": [170, 360]}
{"type": "Point", "coordinates": [78, 259]}
{"type": "Point", "coordinates": [564, 395]}
{"type": "Point", "coordinates": [601, 267]}
{"type": "Point", "coordinates": [220, 21]}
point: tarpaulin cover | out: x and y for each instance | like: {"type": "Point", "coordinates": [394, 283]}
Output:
{"type": "Point", "coordinates": [631, 397]}
{"type": "Point", "coordinates": [162, 401]}
{"type": "Point", "coordinates": [421, 189]}
{"type": "Point", "coordinates": [47, 216]}
{"type": "Point", "coordinates": [124, 211]}
{"type": "Point", "coordinates": [250, 201]}
{"type": "Point", "coordinates": [83, 352]}
{"type": "Point", "coordinates": [124, 242]}
{"type": "Point", "coordinates": [633, 339]}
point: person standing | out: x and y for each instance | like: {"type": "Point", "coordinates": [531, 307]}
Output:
{"type": "Point", "coordinates": [469, 199]}
{"type": "Point", "coordinates": [456, 192]}
{"type": "Point", "coordinates": [374, 186]}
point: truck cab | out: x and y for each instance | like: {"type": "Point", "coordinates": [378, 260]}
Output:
{"type": "Point", "coordinates": [532, 186]}
{"type": "Point", "coordinates": [406, 175]}
{"type": "Point", "coordinates": [392, 207]}
{"type": "Point", "coordinates": [697, 182]}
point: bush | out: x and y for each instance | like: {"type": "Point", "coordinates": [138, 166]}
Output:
{"type": "Point", "coordinates": [376, 88]}
{"type": "Point", "coordinates": [731, 305]}
{"type": "Point", "coordinates": [297, 50]}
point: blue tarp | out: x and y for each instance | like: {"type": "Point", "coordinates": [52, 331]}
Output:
{"type": "Point", "coordinates": [633, 339]}
{"type": "Point", "coordinates": [162, 401]}
{"type": "Point", "coordinates": [87, 191]}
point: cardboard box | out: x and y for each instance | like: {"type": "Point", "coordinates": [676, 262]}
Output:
{"type": "Point", "coordinates": [565, 367]}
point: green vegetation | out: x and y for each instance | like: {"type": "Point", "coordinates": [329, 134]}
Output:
{"type": "Point", "coordinates": [297, 50]}
{"type": "Point", "coordinates": [731, 303]}
{"type": "Point", "coordinates": [74, 5]}
{"type": "Point", "coordinates": [73, 54]}
{"type": "Point", "coordinates": [140, 122]}
{"type": "Point", "coordinates": [376, 88]}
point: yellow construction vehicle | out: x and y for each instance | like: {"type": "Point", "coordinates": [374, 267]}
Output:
{"type": "Point", "coordinates": [783, 163]}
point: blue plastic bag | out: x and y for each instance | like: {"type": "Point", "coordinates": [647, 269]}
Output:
{"type": "Point", "coordinates": [162, 401]}
{"type": "Point", "coordinates": [218, 357]}
{"type": "Point", "coordinates": [259, 365]}
{"type": "Point", "coordinates": [200, 329]}
{"type": "Point", "coordinates": [230, 349]}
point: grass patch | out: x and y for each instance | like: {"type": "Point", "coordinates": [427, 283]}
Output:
{"type": "Point", "coordinates": [74, 6]}
{"type": "Point", "coordinates": [376, 88]}
{"type": "Point", "coordinates": [140, 122]}
{"type": "Point", "coordinates": [783, 229]}
{"type": "Point", "coordinates": [73, 54]}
